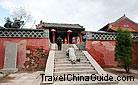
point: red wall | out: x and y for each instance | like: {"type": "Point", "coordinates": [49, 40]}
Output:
{"type": "Point", "coordinates": [135, 53]}
{"type": "Point", "coordinates": [23, 44]}
{"type": "Point", "coordinates": [104, 52]}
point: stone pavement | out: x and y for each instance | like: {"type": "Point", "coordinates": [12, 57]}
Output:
{"type": "Point", "coordinates": [134, 73]}
{"type": "Point", "coordinates": [22, 78]}
{"type": "Point", "coordinates": [34, 78]}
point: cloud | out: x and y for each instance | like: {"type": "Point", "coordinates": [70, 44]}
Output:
{"type": "Point", "coordinates": [92, 14]}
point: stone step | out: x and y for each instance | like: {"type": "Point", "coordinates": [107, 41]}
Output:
{"type": "Point", "coordinates": [67, 59]}
{"type": "Point", "coordinates": [57, 69]}
{"type": "Point", "coordinates": [80, 55]}
{"type": "Point", "coordinates": [60, 52]}
{"type": "Point", "coordinates": [73, 65]}
{"type": "Point", "coordinates": [79, 52]}
{"type": "Point", "coordinates": [64, 54]}
{"type": "Point", "coordinates": [69, 62]}
{"type": "Point", "coordinates": [75, 72]}
{"type": "Point", "coordinates": [59, 57]}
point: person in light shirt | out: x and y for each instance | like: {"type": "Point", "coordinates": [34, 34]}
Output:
{"type": "Point", "coordinates": [71, 52]}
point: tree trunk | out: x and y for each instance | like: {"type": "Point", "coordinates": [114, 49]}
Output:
{"type": "Point", "coordinates": [127, 69]}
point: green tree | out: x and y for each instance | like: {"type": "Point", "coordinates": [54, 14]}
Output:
{"type": "Point", "coordinates": [123, 50]}
{"type": "Point", "coordinates": [19, 17]}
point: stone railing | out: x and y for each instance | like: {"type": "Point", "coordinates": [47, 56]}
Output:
{"type": "Point", "coordinates": [106, 35]}
{"type": "Point", "coordinates": [24, 33]}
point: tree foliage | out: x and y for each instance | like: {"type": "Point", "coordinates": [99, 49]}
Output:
{"type": "Point", "coordinates": [19, 17]}
{"type": "Point", "coordinates": [123, 50]}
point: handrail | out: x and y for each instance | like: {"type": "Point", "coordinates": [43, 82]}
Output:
{"type": "Point", "coordinates": [95, 64]}
{"type": "Point", "coordinates": [49, 70]}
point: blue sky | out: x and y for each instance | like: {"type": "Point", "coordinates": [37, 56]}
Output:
{"type": "Point", "coordinates": [3, 13]}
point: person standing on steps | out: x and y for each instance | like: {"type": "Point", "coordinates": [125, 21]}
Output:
{"type": "Point", "coordinates": [71, 53]}
{"type": "Point", "coordinates": [59, 43]}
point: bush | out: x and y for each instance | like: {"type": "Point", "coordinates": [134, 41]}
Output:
{"type": "Point", "coordinates": [123, 50]}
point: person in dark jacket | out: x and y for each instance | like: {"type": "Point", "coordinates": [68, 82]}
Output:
{"type": "Point", "coordinates": [59, 43]}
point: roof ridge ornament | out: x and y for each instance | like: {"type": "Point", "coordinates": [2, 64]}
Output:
{"type": "Point", "coordinates": [124, 15]}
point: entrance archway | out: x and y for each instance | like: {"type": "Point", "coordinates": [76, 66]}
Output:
{"type": "Point", "coordinates": [64, 36]}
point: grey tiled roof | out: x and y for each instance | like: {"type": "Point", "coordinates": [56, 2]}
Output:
{"type": "Point", "coordinates": [62, 25]}
{"type": "Point", "coordinates": [2, 27]}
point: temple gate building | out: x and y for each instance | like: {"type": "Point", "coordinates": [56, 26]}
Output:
{"type": "Point", "coordinates": [68, 32]}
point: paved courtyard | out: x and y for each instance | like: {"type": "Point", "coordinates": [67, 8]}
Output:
{"type": "Point", "coordinates": [34, 78]}
{"type": "Point", "coordinates": [121, 72]}
{"type": "Point", "coordinates": [22, 78]}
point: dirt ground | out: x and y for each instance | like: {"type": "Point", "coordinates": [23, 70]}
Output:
{"type": "Point", "coordinates": [7, 78]}
{"type": "Point", "coordinates": [20, 76]}
{"type": "Point", "coordinates": [121, 72]}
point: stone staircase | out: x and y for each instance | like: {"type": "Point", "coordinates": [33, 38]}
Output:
{"type": "Point", "coordinates": [64, 67]}
{"type": "Point", "coordinates": [64, 71]}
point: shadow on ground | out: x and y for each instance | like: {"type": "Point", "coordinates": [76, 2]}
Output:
{"type": "Point", "coordinates": [121, 72]}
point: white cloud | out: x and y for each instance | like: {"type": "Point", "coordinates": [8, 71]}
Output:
{"type": "Point", "coordinates": [92, 14]}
